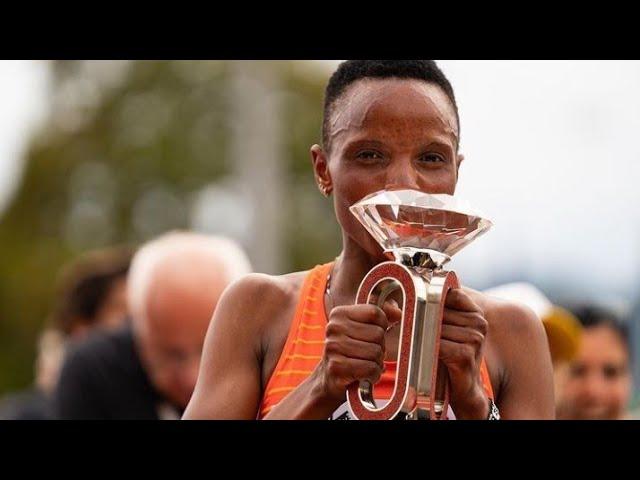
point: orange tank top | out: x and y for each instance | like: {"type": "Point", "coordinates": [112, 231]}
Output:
{"type": "Point", "coordinates": [305, 342]}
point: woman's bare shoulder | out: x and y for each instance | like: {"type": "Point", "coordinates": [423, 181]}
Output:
{"type": "Point", "coordinates": [258, 297]}
{"type": "Point", "coordinates": [506, 316]}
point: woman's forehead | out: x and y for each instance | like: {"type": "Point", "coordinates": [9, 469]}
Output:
{"type": "Point", "coordinates": [381, 103]}
{"type": "Point", "coordinates": [602, 339]}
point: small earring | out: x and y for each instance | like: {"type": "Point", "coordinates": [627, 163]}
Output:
{"type": "Point", "coordinates": [325, 191]}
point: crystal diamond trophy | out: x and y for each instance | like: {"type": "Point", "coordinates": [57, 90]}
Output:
{"type": "Point", "coordinates": [420, 232]}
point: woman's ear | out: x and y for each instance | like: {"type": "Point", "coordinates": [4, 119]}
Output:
{"type": "Point", "coordinates": [320, 162]}
{"type": "Point", "coordinates": [460, 160]}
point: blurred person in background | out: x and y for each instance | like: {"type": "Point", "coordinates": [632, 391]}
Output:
{"type": "Point", "coordinates": [563, 329]}
{"type": "Point", "coordinates": [90, 296]}
{"type": "Point", "coordinates": [35, 403]}
{"type": "Point", "coordinates": [597, 384]}
{"type": "Point", "coordinates": [93, 293]}
{"type": "Point", "coordinates": [148, 369]}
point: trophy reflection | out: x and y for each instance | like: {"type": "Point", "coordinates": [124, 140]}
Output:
{"type": "Point", "coordinates": [420, 232]}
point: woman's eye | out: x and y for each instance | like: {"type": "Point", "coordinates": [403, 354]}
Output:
{"type": "Point", "coordinates": [432, 158]}
{"type": "Point", "coordinates": [578, 371]}
{"type": "Point", "coordinates": [611, 371]}
{"type": "Point", "coordinates": [369, 155]}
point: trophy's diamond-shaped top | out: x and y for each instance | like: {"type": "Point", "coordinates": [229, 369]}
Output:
{"type": "Point", "coordinates": [410, 219]}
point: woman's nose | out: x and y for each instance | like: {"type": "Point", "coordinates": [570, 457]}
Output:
{"type": "Point", "coordinates": [402, 174]}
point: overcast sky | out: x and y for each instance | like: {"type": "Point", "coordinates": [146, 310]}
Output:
{"type": "Point", "coordinates": [23, 90]}
{"type": "Point", "coordinates": [552, 157]}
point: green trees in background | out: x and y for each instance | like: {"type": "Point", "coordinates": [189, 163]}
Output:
{"type": "Point", "coordinates": [129, 151]}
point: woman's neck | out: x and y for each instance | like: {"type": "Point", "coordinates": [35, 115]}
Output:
{"type": "Point", "coordinates": [348, 271]}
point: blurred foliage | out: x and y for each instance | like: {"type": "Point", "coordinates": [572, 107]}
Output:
{"type": "Point", "coordinates": [126, 147]}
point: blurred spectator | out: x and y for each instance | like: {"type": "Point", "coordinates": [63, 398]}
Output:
{"type": "Point", "coordinates": [34, 403]}
{"type": "Point", "coordinates": [563, 329]}
{"type": "Point", "coordinates": [148, 369]}
{"type": "Point", "coordinates": [597, 385]}
{"type": "Point", "coordinates": [561, 326]}
{"type": "Point", "coordinates": [91, 294]}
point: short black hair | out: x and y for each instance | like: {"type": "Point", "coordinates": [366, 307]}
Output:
{"type": "Point", "coordinates": [352, 70]}
{"type": "Point", "coordinates": [591, 316]}
{"type": "Point", "coordinates": [84, 285]}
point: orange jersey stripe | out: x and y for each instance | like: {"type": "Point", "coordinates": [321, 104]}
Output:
{"type": "Point", "coordinates": [304, 357]}
{"type": "Point", "coordinates": [309, 342]}
{"type": "Point", "coordinates": [310, 326]}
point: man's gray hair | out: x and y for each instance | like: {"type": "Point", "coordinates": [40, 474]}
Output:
{"type": "Point", "coordinates": [232, 259]}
